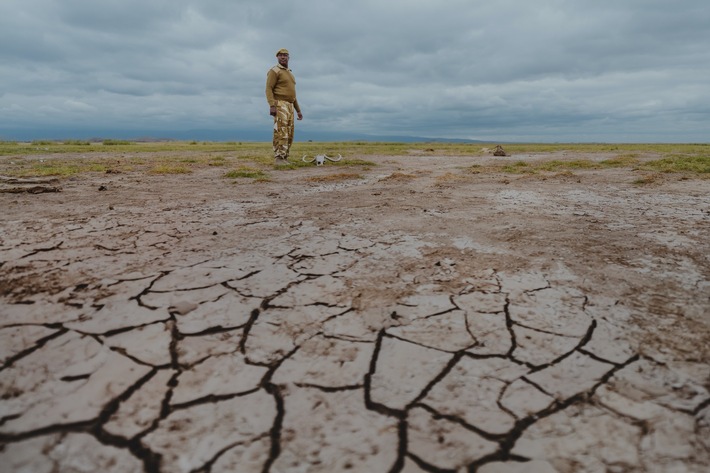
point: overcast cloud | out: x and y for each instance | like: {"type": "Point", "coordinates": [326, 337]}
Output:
{"type": "Point", "coordinates": [503, 70]}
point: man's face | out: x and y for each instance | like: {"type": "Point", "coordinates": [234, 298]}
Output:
{"type": "Point", "coordinates": [283, 59]}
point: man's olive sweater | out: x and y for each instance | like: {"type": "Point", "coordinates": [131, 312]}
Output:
{"type": "Point", "coordinates": [281, 85]}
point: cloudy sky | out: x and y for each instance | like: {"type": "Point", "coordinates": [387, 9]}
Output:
{"type": "Point", "coordinates": [499, 70]}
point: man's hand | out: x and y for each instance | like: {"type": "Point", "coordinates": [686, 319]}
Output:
{"type": "Point", "coordinates": [300, 116]}
{"type": "Point", "coordinates": [272, 110]}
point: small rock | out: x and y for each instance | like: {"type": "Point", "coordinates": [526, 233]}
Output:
{"type": "Point", "coordinates": [103, 188]}
{"type": "Point", "coordinates": [499, 151]}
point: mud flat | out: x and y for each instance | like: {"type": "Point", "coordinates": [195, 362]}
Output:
{"type": "Point", "coordinates": [411, 317]}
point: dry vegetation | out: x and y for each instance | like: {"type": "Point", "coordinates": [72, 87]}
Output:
{"type": "Point", "coordinates": [254, 160]}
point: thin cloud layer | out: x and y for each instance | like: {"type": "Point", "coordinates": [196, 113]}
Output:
{"type": "Point", "coordinates": [553, 70]}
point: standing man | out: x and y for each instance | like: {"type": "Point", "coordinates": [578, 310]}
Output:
{"type": "Point", "coordinates": [281, 95]}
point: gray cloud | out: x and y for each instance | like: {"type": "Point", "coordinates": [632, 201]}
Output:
{"type": "Point", "coordinates": [553, 70]}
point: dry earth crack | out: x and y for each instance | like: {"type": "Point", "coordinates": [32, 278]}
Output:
{"type": "Point", "coordinates": [484, 328]}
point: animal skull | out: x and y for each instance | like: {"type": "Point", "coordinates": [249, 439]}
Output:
{"type": "Point", "coordinates": [319, 159]}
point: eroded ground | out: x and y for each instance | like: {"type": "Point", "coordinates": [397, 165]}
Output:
{"type": "Point", "coordinates": [421, 318]}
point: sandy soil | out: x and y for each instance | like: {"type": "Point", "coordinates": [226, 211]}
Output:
{"type": "Point", "coordinates": [419, 318]}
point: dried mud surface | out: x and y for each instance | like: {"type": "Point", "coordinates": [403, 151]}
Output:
{"type": "Point", "coordinates": [416, 319]}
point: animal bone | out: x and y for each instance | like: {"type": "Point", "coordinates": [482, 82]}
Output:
{"type": "Point", "coordinates": [320, 159]}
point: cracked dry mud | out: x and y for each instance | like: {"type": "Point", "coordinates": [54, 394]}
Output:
{"type": "Point", "coordinates": [417, 319]}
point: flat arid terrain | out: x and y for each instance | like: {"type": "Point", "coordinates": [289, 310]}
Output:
{"type": "Point", "coordinates": [191, 307]}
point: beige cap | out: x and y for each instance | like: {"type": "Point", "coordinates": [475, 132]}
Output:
{"type": "Point", "coordinates": [282, 51]}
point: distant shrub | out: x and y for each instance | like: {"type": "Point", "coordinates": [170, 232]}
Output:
{"type": "Point", "coordinates": [116, 142]}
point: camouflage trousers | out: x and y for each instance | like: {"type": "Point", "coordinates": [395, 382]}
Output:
{"type": "Point", "coordinates": [283, 129]}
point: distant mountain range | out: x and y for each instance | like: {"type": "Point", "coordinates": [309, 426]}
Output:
{"type": "Point", "coordinates": [207, 135]}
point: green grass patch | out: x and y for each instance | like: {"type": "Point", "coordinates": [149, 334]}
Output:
{"type": "Point", "coordinates": [59, 169]}
{"type": "Point", "coordinates": [561, 165]}
{"type": "Point", "coordinates": [675, 163]}
{"type": "Point", "coordinates": [355, 162]}
{"type": "Point", "coordinates": [351, 149]}
{"type": "Point", "coordinates": [264, 159]}
{"type": "Point", "coordinates": [680, 164]}
{"type": "Point", "coordinates": [621, 161]}
{"type": "Point", "coordinates": [520, 167]}
{"type": "Point", "coordinates": [246, 172]}
{"type": "Point", "coordinates": [556, 165]}
{"type": "Point", "coordinates": [168, 168]}
{"type": "Point", "coordinates": [217, 161]}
